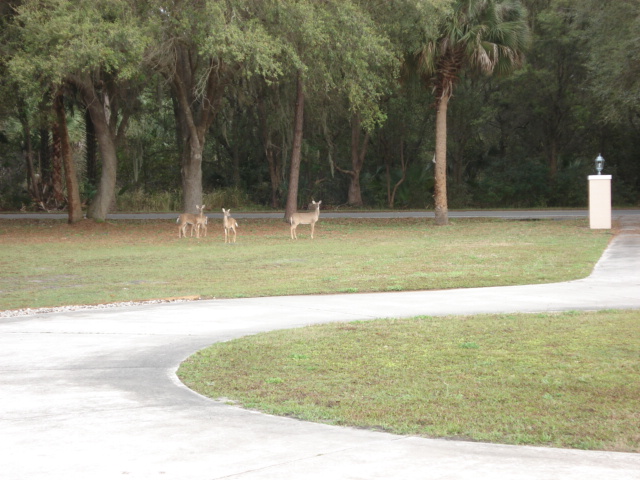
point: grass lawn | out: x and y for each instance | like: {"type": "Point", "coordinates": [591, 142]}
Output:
{"type": "Point", "coordinates": [51, 263]}
{"type": "Point", "coordinates": [562, 380]}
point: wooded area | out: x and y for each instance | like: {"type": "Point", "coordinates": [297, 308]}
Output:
{"type": "Point", "coordinates": [431, 104]}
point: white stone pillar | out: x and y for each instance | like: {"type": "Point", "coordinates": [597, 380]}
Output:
{"type": "Point", "coordinates": [600, 201]}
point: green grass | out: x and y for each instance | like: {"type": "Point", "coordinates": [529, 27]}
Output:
{"type": "Point", "coordinates": [49, 263]}
{"type": "Point", "coordinates": [561, 380]}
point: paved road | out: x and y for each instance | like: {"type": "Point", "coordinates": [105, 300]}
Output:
{"type": "Point", "coordinates": [93, 394]}
{"type": "Point", "coordinates": [516, 214]}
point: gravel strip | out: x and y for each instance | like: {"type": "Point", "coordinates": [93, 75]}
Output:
{"type": "Point", "coordinates": [76, 308]}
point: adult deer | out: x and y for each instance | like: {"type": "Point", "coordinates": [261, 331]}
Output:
{"type": "Point", "coordinates": [229, 224]}
{"type": "Point", "coordinates": [305, 218]}
{"type": "Point", "coordinates": [195, 221]}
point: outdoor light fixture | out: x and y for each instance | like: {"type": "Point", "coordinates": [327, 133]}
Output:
{"type": "Point", "coordinates": [599, 164]}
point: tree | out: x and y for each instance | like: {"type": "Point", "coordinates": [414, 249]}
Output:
{"type": "Point", "coordinates": [33, 183]}
{"type": "Point", "coordinates": [614, 56]}
{"type": "Point", "coordinates": [268, 133]}
{"type": "Point", "coordinates": [92, 45]}
{"type": "Point", "coordinates": [61, 135]}
{"type": "Point", "coordinates": [479, 35]}
{"type": "Point", "coordinates": [201, 48]}
{"type": "Point", "coordinates": [302, 26]}
{"type": "Point", "coordinates": [337, 51]}
{"type": "Point", "coordinates": [296, 149]}
{"type": "Point", "coordinates": [103, 108]}
{"type": "Point", "coordinates": [556, 68]}
{"type": "Point", "coordinates": [358, 152]}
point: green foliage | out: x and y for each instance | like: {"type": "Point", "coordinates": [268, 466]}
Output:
{"type": "Point", "coordinates": [613, 35]}
{"type": "Point", "coordinates": [487, 36]}
{"type": "Point", "coordinates": [227, 198]}
{"type": "Point", "coordinates": [13, 192]}
{"type": "Point", "coordinates": [140, 201]}
{"type": "Point", "coordinates": [525, 140]}
{"type": "Point", "coordinates": [520, 183]}
{"type": "Point", "coordinates": [58, 38]}
{"type": "Point", "coordinates": [147, 156]}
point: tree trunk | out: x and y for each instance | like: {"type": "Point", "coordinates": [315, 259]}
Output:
{"type": "Point", "coordinates": [56, 168]}
{"type": "Point", "coordinates": [440, 174]}
{"type": "Point", "coordinates": [386, 156]}
{"type": "Point", "coordinates": [403, 166]}
{"type": "Point", "coordinates": [358, 153]}
{"type": "Point", "coordinates": [106, 193]}
{"type": "Point", "coordinates": [191, 156]}
{"type": "Point", "coordinates": [92, 149]}
{"type": "Point", "coordinates": [46, 167]}
{"type": "Point", "coordinates": [296, 151]}
{"type": "Point", "coordinates": [194, 116]}
{"type": "Point", "coordinates": [33, 184]}
{"type": "Point", "coordinates": [192, 175]}
{"type": "Point", "coordinates": [354, 195]}
{"type": "Point", "coordinates": [32, 176]}
{"type": "Point", "coordinates": [99, 111]}
{"type": "Point", "coordinates": [74, 205]}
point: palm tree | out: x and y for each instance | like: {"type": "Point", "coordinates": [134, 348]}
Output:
{"type": "Point", "coordinates": [486, 36]}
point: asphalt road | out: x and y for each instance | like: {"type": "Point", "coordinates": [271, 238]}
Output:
{"type": "Point", "coordinates": [515, 214]}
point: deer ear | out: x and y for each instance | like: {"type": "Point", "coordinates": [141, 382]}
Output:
{"type": "Point", "coordinates": [223, 210]}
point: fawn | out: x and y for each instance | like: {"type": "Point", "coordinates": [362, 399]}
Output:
{"type": "Point", "coordinates": [229, 223]}
{"type": "Point", "coordinates": [305, 218]}
{"type": "Point", "coordinates": [195, 221]}
{"type": "Point", "coordinates": [201, 224]}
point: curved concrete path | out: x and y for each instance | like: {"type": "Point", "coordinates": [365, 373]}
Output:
{"type": "Point", "coordinates": [93, 394]}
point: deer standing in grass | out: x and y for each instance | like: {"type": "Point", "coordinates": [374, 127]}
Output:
{"type": "Point", "coordinates": [305, 218]}
{"type": "Point", "coordinates": [195, 221]}
{"type": "Point", "coordinates": [201, 224]}
{"type": "Point", "coordinates": [229, 223]}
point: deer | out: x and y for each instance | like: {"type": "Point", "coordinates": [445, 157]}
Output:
{"type": "Point", "coordinates": [305, 218]}
{"type": "Point", "coordinates": [195, 221]}
{"type": "Point", "coordinates": [229, 223]}
{"type": "Point", "coordinates": [202, 221]}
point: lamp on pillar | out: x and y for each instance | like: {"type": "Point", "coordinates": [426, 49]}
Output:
{"type": "Point", "coordinates": [599, 164]}
{"type": "Point", "coordinates": [599, 197]}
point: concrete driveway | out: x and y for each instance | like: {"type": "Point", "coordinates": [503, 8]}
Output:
{"type": "Point", "coordinates": [92, 394]}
